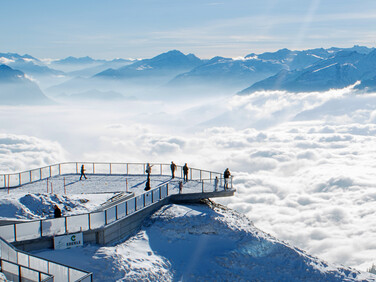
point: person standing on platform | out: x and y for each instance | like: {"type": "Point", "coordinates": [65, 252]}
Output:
{"type": "Point", "coordinates": [83, 172]}
{"type": "Point", "coordinates": [173, 168]}
{"type": "Point", "coordinates": [216, 183]}
{"type": "Point", "coordinates": [226, 176]}
{"type": "Point", "coordinates": [185, 172]}
{"type": "Point", "coordinates": [57, 212]}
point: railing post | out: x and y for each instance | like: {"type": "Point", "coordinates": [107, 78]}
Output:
{"type": "Point", "coordinates": [31, 177]}
{"type": "Point", "coordinates": [116, 212]}
{"type": "Point", "coordinates": [144, 200]}
{"type": "Point", "coordinates": [167, 189]}
{"type": "Point", "coordinates": [105, 217]}
{"type": "Point", "coordinates": [50, 172]}
{"type": "Point", "coordinates": [152, 196]}
{"type": "Point", "coordinates": [160, 192]}
{"type": "Point", "coordinates": [144, 168]}
{"type": "Point", "coordinates": [19, 178]}
{"type": "Point", "coordinates": [202, 186]}
{"type": "Point", "coordinates": [126, 208]}
{"type": "Point", "coordinates": [93, 168]}
{"type": "Point", "coordinates": [40, 173]}
{"type": "Point", "coordinates": [200, 174]}
{"type": "Point", "coordinates": [41, 228]}
{"type": "Point", "coordinates": [66, 225]}
{"type": "Point", "coordinates": [5, 181]}
{"type": "Point", "coordinates": [15, 232]}
{"type": "Point", "coordinates": [76, 168]}
{"type": "Point", "coordinates": [110, 168]}
{"type": "Point", "coordinates": [210, 177]}
{"type": "Point", "coordinates": [161, 169]}
{"type": "Point", "coordinates": [190, 172]}
{"type": "Point", "coordinates": [127, 169]}
{"type": "Point", "coordinates": [59, 169]}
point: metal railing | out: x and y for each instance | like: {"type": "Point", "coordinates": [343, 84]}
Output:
{"type": "Point", "coordinates": [21, 266]}
{"type": "Point", "coordinates": [13, 180]}
{"type": "Point", "coordinates": [84, 222]}
{"type": "Point", "coordinates": [89, 221]}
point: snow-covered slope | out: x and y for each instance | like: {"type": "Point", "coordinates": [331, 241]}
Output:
{"type": "Point", "coordinates": [202, 242]}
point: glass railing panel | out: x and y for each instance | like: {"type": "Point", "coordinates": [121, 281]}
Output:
{"type": "Point", "coordinates": [148, 198]}
{"type": "Point", "coordinates": [119, 168]}
{"type": "Point", "coordinates": [3, 181]}
{"type": "Point", "coordinates": [121, 210]}
{"type": "Point", "coordinates": [52, 227]}
{"type": "Point", "coordinates": [60, 272]}
{"type": "Point", "coordinates": [69, 168]}
{"type": "Point", "coordinates": [13, 180]}
{"type": "Point", "coordinates": [102, 168]}
{"type": "Point", "coordinates": [77, 223]}
{"type": "Point", "coordinates": [163, 191]}
{"type": "Point", "coordinates": [23, 259]}
{"type": "Point", "coordinates": [97, 220]}
{"type": "Point", "coordinates": [139, 202]}
{"type": "Point", "coordinates": [28, 274]}
{"type": "Point", "coordinates": [110, 215]}
{"type": "Point", "coordinates": [45, 172]}
{"type": "Point", "coordinates": [54, 170]}
{"type": "Point", "coordinates": [136, 169]}
{"type": "Point", "coordinates": [28, 230]}
{"type": "Point", "coordinates": [10, 269]}
{"type": "Point", "coordinates": [75, 274]}
{"type": "Point", "coordinates": [7, 232]}
{"type": "Point", "coordinates": [87, 279]}
{"type": "Point", "coordinates": [25, 177]}
{"type": "Point", "coordinates": [155, 195]}
{"type": "Point", "coordinates": [131, 206]}
{"type": "Point", "coordinates": [38, 264]}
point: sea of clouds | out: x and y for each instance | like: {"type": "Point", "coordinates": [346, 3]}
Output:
{"type": "Point", "coordinates": [303, 163]}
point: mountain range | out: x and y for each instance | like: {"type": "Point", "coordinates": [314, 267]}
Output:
{"type": "Point", "coordinates": [307, 70]}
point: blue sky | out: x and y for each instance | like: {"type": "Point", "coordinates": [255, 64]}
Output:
{"type": "Point", "coordinates": [145, 28]}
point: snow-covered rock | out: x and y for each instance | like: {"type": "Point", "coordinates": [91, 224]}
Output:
{"type": "Point", "coordinates": [202, 243]}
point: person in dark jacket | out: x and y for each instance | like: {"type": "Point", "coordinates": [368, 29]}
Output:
{"type": "Point", "coordinates": [226, 176]}
{"type": "Point", "coordinates": [57, 212]}
{"type": "Point", "coordinates": [83, 172]}
{"type": "Point", "coordinates": [173, 168]}
{"type": "Point", "coordinates": [185, 172]}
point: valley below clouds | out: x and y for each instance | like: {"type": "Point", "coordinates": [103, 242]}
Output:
{"type": "Point", "coordinates": [303, 163]}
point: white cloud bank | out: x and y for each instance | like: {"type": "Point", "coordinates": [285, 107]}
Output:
{"type": "Point", "coordinates": [303, 162]}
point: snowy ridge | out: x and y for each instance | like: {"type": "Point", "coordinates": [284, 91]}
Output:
{"type": "Point", "coordinates": [205, 242]}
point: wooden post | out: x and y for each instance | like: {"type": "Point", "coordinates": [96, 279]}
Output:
{"type": "Point", "coordinates": [50, 172]}
{"type": "Point", "coordinates": [77, 168]}
{"type": "Point", "coordinates": [110, 168]}
{"type": "Point", "coordinates": [126, 184]}
{"type": "Point", "coordinates": [40, 174]}
{"type": "Point", "coordinates": [52, 189]}
{"type": "Point", "coordinates": [93, 168]}
{"type": "Point", "coordinates": [65, 190]}
{"type": "Point", "coordinates": [47, 185]}
{"type": "Point", "coordinates": [202, 186]}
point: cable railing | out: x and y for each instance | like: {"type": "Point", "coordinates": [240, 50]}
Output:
{"type": "Point", "coordinates": [13, 180]}
{"type": "Point", "coordinates": [20, 266]}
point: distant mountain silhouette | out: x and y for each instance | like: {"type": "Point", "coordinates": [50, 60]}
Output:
{"type": "Point", "coordinates": [16, 89]}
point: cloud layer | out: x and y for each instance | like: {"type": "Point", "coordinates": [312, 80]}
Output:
{"type": "Point", "coordinates": [303, 162]}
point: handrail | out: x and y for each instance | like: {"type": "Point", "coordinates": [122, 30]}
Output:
{"type": "Point", "coordinates": [44, 267]}
{"type": "Point", "coordinates": [13, 180]}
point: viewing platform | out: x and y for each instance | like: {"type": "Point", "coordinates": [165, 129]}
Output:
{"type": "Point", "coordinates": [116, 218]}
